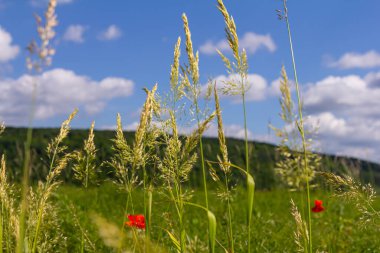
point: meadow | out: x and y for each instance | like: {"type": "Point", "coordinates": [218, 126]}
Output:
{"type": "Point", "coordinates": [158, 190]}
{"type": "Point", "coordinates": [336, 229]}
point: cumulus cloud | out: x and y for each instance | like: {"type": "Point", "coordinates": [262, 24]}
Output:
{"type": "Point", "coordinates": [232, 130]}
{"type": "Point", "coordinates": [252, 42]}
{"type": "Point", "coordinates": [348, 95]}
{"type": "Point", "coordinates": [59, 92]}
{"type": "Point", "coordinates": [75, 33]}
{"type": "Point", "coordinates": [346, 110]}
{"type": "Point", "coordinates": [111, 33]}
{"type": "Point", "coordinates": [351, 60]}
{"type": "Point", "coordinates": [259, 89]}
{"type": "Point", "coordinates": [7, 50]}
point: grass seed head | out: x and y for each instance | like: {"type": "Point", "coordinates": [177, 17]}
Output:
{"type": "Point", "coordinates": [301, 234]}
{"type": "Point", "coordinates": [174, 72]}
{"type": "Point", "coordinates": [360, 195]}
{"type": "Point", "coordinates": [84, 160]}
{"type": "Point", "coordinates": [230, 30]}
{"type": "Point", "coordinates": [2, 128]}
{"type": "Point", "coordinates": [42, 55]}
{"type": "Point", "coordinates": [224, 161]}
{"type": "Point", "coordinates": [193, 60]}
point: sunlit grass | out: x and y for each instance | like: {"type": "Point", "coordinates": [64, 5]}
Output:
{"type": "Point", "coordinates": [148, 176]}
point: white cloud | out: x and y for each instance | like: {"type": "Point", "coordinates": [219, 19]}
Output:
{"type": "Point", "coordinates": [259, 89]}
{"type": "Point", "coordinates": [252, 42]}
{"type": "Point", "coordinates": [232, 130]}
{"type": "Point", "coordinates": [7, 50]}
{"type": "Point", "coordinates": [350, 60]}
{"type": "Point", "coordinates": [348, 95]}
{"type": "Point", "coordinates": [111, 33]}
{"type": "Point", "coordinates": [59, 92]}
{"type": "Point", "coordinates": [328, 124]}
{"type": "Point", "coordinates": [74, 33]}
{"type": "Point", "coordinates": [348, 115]}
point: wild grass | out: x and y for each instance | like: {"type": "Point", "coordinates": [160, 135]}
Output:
{"type": "Point", "coordinates": [148, 205]}
{"type": "Point", "coordinates": [336, 231]}
{"type": "Point", "coordinates": [238, 86]}
{"type": "Point", "coordinates": [40, 55]}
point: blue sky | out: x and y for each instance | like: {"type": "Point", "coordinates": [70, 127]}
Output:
{"type": "Point", "coordinates": [108, 50]}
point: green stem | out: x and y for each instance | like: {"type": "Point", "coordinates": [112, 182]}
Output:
{"type": "Point", "coordinates": [201, 151]}
{"type": "Point", "coordinates": [203, 169]}
{"type": "Point", "coordinates": [87, 172]}
{"type": "Point", "coordinates": [1, 226]}
{"type": "Point", "coordinates": [147, 229]}
{"type": "Point", "coordinates": [8, 240]}
{"type": "Point", "coordinates": [41, 203]}
{"type": "Point", "coordinates": [122, 226]}
{"type": "Point", "coordinates": [182, 225]}
{"type": "Point", "coordinates": [202, 154]}
{"type": "Point", "coordinates": [178, 201]}
{"type": "Point", "coordinates": [26, 170]}
{"type": "Point", "coordinates": [82, 243]}
{"type": "Point", "coordinates": [245, 135]}
{"type": "Point", "coordinates": [249, 215]}
{"type": "Point", "coordinates": [37, 229]}
{"type": "Point", "coordinates": [229, 216]}
{"type": "Point", "coordinates": [301, 126]}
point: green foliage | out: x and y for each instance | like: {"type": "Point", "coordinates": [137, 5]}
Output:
{"type": "Point", "coordinates": [264, 157]}
{"type": "Point", "coordinates": [335, 228]}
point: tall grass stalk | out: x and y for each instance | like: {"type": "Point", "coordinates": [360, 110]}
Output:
{"type": "Point", "coordinates": [85, 169]}
{"type": "Point", "coordinates": [9, 218]}
{"type": "Point", "coordinates": [1, 199]}
{"type": "Point", "coordinates": [195, 92]}
{"type": "Point", "coordinates": [223, 161]}
{"type": "Point", "coordinates": [128, 159]}
{"type": "Point", "coordinates": [170, 169]}
{"type": "Point", "coordinates": [42, 57]}
{"type": "Point", "coordinates": [238, 87]}
{"type": "Point", "coordinates": [300, 123]}
{"type": "Point", "coordinates": [25, 177]}
{"type": "Point", "coordinates": [178, 161]}
{"type": "Point", "coordinates": [57, 164]}
{"type": "Point", "coordinates": [249, 207]}
{"type": "Point", "coordinates": [145, 140]}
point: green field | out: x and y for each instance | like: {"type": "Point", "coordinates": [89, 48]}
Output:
{"type": "Point", "coordinates": [334, 230]}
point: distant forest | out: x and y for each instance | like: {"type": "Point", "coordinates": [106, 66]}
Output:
{"type": "Point", "coordinates": [263, 157]}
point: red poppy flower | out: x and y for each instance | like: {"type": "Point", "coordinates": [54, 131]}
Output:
{"type": "Point", "coordinates": [137, 221]}
{"type": "Point", "coordinates": [318, 206]}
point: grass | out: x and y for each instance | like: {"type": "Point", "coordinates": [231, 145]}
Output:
{"type": "Point", "coordinates": [151, 179]}
{"type": "Point", "coordinates": [335, 229]}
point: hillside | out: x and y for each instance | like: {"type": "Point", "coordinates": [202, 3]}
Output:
{"type": "Point", "coordinates": [263, 156]}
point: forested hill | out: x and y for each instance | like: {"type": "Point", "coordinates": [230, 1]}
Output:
{"type": "Point", "coordinates": [262, 157]}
